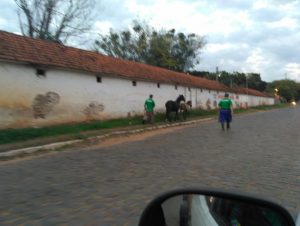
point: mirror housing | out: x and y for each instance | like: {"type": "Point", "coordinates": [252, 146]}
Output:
{"type": "Point", "coordinates": [190, 207]}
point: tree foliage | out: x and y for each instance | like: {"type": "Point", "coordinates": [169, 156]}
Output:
{"type": "Point", "coordinates": [250, 80]}
{"type": "Point", "coordinates": [255, 82]}
{"type": "Point", "coordinates": [286, 88]}
{"type": "Point", "coordinates": [163, 48]}
{"type": "Point", "coordinates": [55, 20]}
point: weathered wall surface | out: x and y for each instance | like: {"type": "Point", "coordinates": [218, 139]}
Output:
{"type": "Point", "coordinates": [28, 100]}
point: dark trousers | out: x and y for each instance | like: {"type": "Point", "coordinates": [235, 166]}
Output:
{"type": "Point", "coordinates": [150, 116]}
{"type": "Point", "coordinates": [225, 116]}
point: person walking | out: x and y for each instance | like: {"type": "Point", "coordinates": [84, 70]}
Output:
{"type": "Point", "coordinates": [149, 109]}
{"type": "Point", "coordinates": [225, 111]}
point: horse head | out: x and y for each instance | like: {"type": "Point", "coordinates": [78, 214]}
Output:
{"type": "Point", "coordinates": [180, 98]}
{"type": "Point", "coordinates": [189, 103]}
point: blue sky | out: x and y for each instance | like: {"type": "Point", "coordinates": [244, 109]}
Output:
{"type": "Point", "coordinates": [261, 36]}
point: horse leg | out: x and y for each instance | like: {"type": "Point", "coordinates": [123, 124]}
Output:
{"type": "Point", "coordinates": [183, 115]}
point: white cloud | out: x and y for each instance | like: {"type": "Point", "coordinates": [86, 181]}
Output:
{"type": "Point", "coordinates": [197, 17]}
{"type": "Point", "coordinates": [218, 48]}
{"type": "Point", "coordinates": [168, 14]}
{"type": "Point", "coordinates": [224, 22]}
{"type": "Point", "coordinates": [293, 71]}
{"type": "Point", "coordinates": [2, 22]}
{"type": "Point", "coordinates": [285, 23]}
{"type": "Point", "coordinates": [102, 27]}
{"type": "Point", "coordinates": [213, 48]}
{"type": "Point", "coordinates": [256, 60]}
{"type": "Point", "coordinates": [261, 4]}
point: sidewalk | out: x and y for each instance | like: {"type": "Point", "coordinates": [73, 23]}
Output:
{"type": "Point", "coordinates": [52, 143]}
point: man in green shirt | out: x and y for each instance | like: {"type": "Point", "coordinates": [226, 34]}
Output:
{"type": "Point", "coordinates": [149, 108]}
{"type": "Point", "coordinates": [225, 111]}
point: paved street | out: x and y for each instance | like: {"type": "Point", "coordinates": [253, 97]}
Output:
{"type": "Point", "coordinates": [111, 185]}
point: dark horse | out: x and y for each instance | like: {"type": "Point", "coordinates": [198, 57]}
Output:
{"type": "Point", "coordinates": [173, 106]}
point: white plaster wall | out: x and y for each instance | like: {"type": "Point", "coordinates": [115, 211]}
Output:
{"type": "Point", "coordinates": [205, 99]}
{"type": "Point", "coordinates": [80, 97]}
{"type": "Point", "coordinates": [243, 101]}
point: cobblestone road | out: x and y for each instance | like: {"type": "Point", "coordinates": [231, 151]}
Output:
{"type": "Point", "coordinates": [111, 185]}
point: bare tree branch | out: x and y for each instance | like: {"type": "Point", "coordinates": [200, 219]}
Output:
{"type": "Point", "coordinates": [55, 20]}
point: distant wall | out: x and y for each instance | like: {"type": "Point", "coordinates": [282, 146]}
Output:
{"type": "Point", "coordinates": [59, 96]}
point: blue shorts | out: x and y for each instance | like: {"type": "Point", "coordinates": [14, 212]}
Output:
{"type": "Point", "coordinates": [225, 116]}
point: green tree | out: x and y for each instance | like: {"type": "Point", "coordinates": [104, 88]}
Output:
{"type": "Point", "coordinates": [250, 80]}
{"type": "Point", "coordinates": [255, 82]}
{"type": "Point", "coordinates": [226, 78]}
{"type": "Point", "coordinates": [202, 74]}
{"type": "Point", "coordinates": [288, 89]}
{"type": "Point", "coordinates": [142, 43]}
{"type": "Point", "coordinates": [55, 20]}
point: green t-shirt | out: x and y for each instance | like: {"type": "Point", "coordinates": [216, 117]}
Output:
{"type": "Point", "coordinates": [225, 103]}
{"type": "Point", "coordinates": [149, 104]}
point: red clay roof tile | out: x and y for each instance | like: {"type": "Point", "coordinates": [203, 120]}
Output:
{"type": "Point", "coordinates": [28, 50]}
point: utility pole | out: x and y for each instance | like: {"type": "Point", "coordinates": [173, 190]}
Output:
{"type": "Point", "coordinates": [247, 90]}
{"type": "Point", "coordinates": [247, 83]}
{"type": "Point", "coordinates": [217, 73]}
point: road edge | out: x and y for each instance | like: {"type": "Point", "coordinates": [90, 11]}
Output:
{"type": "Point", "coordinates": [56, 145]}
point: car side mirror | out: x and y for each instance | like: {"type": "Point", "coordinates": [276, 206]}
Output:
{"type": "Point", "coordinates": [213, 208]}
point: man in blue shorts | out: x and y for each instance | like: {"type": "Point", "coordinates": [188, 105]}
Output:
{"type": "Point", "coordinates": [225, 111]}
